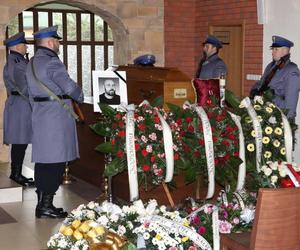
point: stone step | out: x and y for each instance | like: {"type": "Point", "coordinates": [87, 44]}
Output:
{"type": "Point", "coordinates": [10, 191]}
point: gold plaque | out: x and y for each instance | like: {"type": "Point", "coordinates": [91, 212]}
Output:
{"type": "Point", "coordinates": [180, 93]}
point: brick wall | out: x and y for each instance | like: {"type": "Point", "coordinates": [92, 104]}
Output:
{"type": "Point", "coordinates": [187, 24]}
{"type": "Point", "coordinates": [180, 33]}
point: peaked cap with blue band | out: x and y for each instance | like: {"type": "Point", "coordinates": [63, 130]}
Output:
{"type": "Point", "coordinates": [47, 32]}
{"type": "Point", "coordinates": [278, 41]}
{"type": "Point", "coordinates": [145, 60]}
{"type": "Point", "coordinates": [213, 41]}
{"type": "Point", "coordinates": [15, 39]}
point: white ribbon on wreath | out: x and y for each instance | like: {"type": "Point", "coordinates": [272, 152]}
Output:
{"type": "Point", "coordinates": [215, 225]}
{"type": "Point", "coordinates": [209, 147]}
{"type": "Point", "coordinates": [242, 167]}
{"type": "Point", "coordinates": [288, 137]}
{"type": "Point", "coordinates": [257, 128]}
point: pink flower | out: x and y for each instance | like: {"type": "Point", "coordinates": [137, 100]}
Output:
{"type": "Point", "coordinates": [153, 137]}
{"type": "Point", "coordinates": [208, 209]}
{"type": "Point", "coordinates": [201, 230]}
{"type": "Point", "coordinates": [235, 220]}
{"type": "Point", "coordinates": [149, 148]}
{"type": "Point", "coordinates": [225, 227]}
{"type": "Point", "coordinates": [173, 248]}
{"type": "Point", "coordinates": [192, 248]}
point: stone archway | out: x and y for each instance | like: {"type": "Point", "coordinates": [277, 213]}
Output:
{"type": "Point", "coordinates": [138, 28]}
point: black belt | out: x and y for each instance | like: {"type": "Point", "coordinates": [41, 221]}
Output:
{"type": "Point", "coordinates": [47, 99]}
{"type": "Point", "coordinates": [15, 93]}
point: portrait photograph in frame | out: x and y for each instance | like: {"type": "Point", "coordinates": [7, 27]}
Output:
{"type": "Point", "coordinates": [109, 87]}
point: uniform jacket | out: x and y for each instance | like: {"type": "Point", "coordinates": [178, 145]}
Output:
{"type": "Point", "coordinates": [17, 111]}
{"type": "Point", "coordinates": [213, 67]}
{"type": "Point", "coordinates": [286, 86]}
{"type": "Point", "coordinates": [54, 130]}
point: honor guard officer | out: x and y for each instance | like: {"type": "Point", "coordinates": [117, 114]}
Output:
{"type": "Point", "coordinates": [54, 140]}
{"type": "Point", "coordinates": [211, 65]}
{"type": "Point", "coordinates": [17, 111]}
{"type": "Point", "coordinates": [281, 76]}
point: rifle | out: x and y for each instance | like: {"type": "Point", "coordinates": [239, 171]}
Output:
{"type": "Point", "coordinates": [78, 112]}
{"type": "Point", "coordinates": [263, 83]}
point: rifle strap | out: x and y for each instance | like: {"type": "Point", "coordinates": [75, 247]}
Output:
{"type": "Point", "coordinates": [52, 95]}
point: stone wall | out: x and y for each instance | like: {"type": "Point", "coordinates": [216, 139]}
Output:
{"type": "Point", "coordinates": [138, 28]}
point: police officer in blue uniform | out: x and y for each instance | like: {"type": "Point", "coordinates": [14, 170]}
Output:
{"type": "Point", "coordinates": [54, 140]}
{"type": "Point", "coordinates": [211, 65]}
{"type": "Point", "coordinates": [281, 76]}
{"type": "Point", "coordinates": [17, 111]}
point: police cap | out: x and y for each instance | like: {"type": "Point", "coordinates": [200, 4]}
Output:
{"type": "Point", "coordinates": [15, 39]}
{"type": "Point", "coordinates": [213, 41]}
{"type": "Point", "coordinates": [47, 32]}
{"type": "Point", "coordinates": [278, 41]}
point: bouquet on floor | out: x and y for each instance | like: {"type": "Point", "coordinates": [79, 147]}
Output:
{"type": "Point", "coordinates": [139, 225]}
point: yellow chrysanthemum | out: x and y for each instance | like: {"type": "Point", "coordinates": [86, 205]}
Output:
{"type": "Point", "coordinates": [278, 131]}
{"type": "Point", "coordinates": [77, 235]}
{"type": "Point", "coordinates": [257, 107]}
{"type": "Point", "coordinates": [76, 223]}
{"type": "Point", "coordinates": [158, 237]}
{"type": "Point", "coordinates": [271, 105]}
{"type": "Point", "coordinates": [269, 110]}
{"type": "Point", "coordinates": [267, 154]}
{"type": "Point", "coordinates": [186, 223]}
{"type": "Point", "coordinates": [265, 140]}
{"type": "Point", "coordinates": [253, 133]}
{"type": "Point", "coordinates": [248, 119]}
{"type": "Point", "coordinates": [282, 151]}
{"type": "Point", "coordinates": [184, 239]}
{"type": "Point", "coordinates": [259, 118]}
{"type": "Point", "coordinates": [268, 130]}
{"type": "Point", "coordinates": [276, 143]}
{"type": "Point", "coordinates": [68, 231]}
{"type": "Point", "coordinates": [250, 147]}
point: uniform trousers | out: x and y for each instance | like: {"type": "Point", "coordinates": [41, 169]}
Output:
{"type": "Point", "coordinates": [48, 176]}
{"type": "Point", "coordinates": [17, 154]}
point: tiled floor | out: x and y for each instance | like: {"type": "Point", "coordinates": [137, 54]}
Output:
{"type": "Point", "coordinates": [29, 233]}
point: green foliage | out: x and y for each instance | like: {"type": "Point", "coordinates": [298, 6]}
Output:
{"type": "Point", "coordinates": [118, 165]}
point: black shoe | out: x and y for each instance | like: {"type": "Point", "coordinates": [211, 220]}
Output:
{"type": "Point", "coordinates": [22, 180]}
{"type": "Point", "coordinates": [45, 208]}
{"type": "Point", "coordinates": [59, 209]}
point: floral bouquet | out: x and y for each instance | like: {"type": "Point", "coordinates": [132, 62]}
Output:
{"type": "Point", "coordinates": [275, 175]}
{"type": "Point", "coordinates": [149, 144]}
{"type": "Point", "coordinates": [144, 226]}
{"type": "Point", "coordinates": [190, 138]}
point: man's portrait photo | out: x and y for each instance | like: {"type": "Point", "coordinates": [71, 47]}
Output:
{"type": "Point", "coordinates": [110, 89]}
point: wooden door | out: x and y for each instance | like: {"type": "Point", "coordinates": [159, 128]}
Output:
{"type": "Point", "coordinates": [232, 54]}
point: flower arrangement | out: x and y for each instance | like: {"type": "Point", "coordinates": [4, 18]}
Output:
{"type": "Point", "coordinates": [149, 145]}
{"type": "Point", "coordinates": [136, 223]}
{"type": "Point", "coordinates": [273, 174]}
{"type": "Point", "coordinates": [269, 117]}
{"type": "Point", "coordinates": [190, 138]}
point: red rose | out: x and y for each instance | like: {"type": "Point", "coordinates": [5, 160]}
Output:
{"type": "Point", "coordinates": [121, 124]}
{"type": "Point", "coordinates": [156, 119]}
{"type": "Point", "coordinates": [209, 115]}
{"type": "Point", "coordinates": [197, 154]}
{"type": "Point", "coordinates": [158, 171]}
{"type": "Point", "coordinates": [118, 116]}
{"type": "Point", "coordinates": [189, 119]}
{"type": "Point", "coordinates": [201, 142]}
{"type": "Point", "coordinates": [137, 146]}
{"type": "Point", "coordinates": [236, 154]}
{"type": "Point", "coordinates": [142, 126]}
{"type": "Point", "coordinates": [215, 139]}
{"type": "Point", "coordinates": [182, 133]}
{"type": "Point", "coordinates": [196, 220]}
{"type": "Point", "coordinates": [191, 128]}
{"type": "Point", "coordinates": [216, 161]}
{"type": "Point", "coordinates": [120, 153]}
{"type": "Point", "coordinates": [113, 141]}
{"type": "Point", "coordinates": [226, 143]}
{"type": "Point", "coordinates": [121, 133]}
{"type": "Point", "coordinates": [176, 156]}
{"type": "Point", "coordinates": [213, 129]}
{"type": "Point", "coordinates": [179, 121]}
{"type": "Point", "coordinates": [152, 158]}
{"type": "Point", "coordinates": [219, 118]}
{"type": "Point", "coordinates": [231, 137]}
{"type": "Point", "coordinates": [144, 152]}
{"type": "Point", "coordinates": [229, 129]}
{"type": "Point", "coordinates": [186, 148]}
{"type": "Point", "coordinates": [146, 168]}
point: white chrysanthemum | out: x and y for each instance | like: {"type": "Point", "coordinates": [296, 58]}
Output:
{"type": "Point", "coordinates": [146, 236]}
{"type": "Point", "coordinates": [91, 205]}
{"type": "Point", "coordinates": [91, 215]}
{"type": "Point", "coordinates": [272, 120]}
{"type": "Point", "coordinates": [250, 147]}
{"type": "Point", "coordinates": [253, 133]}
{"type": "Point", "coordinates": [114, 218]}
{"type": "Point", "coordinates": [269, 110]}
{"type": "Point", "coordinates": [276, 143]}
{"type": "Point", "coordinates": [103, 220]}
{"type": "Point", "coordinates": [121, 230]}
{"type": "Point", "coordinates": [282, 172]}
{"type": "Point", "coordinates": [278, 131]}
{"type": "Point", "coordinates": [274, 179]}
{"type": "Point", "coordinates": [257, 107]}
{"type": "Point", "coordinates": [267, 154]}
{"type": "Point", "coordinates": [268, 171]}
{"type": "Point", "coordinates": [282, 151]}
